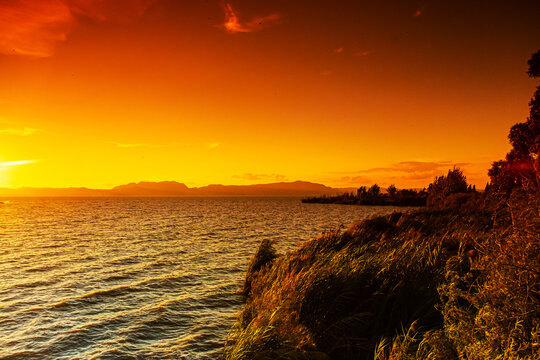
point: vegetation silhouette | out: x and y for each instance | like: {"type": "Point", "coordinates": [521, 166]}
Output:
{"type": "Point", "coordinates": [521, 168]}
{"type": "Point", "coordinates": [440, 191]}
{"type": "Point", "coordinates": [374, 196]}
{"type": "Point", "coordinates": [458, 279]}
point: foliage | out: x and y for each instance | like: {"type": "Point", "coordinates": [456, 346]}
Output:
{"type": "Point", "coordinates": [339, 295]}
{"type": "Point", "coordinates": [534, 65]}
{"type": "Point", "coordinates": [374, 196]}
{"type": "Point", "coordinates": [392, 190]}
{"type": "Point", "coordinates": [443, 186]}
{"type": "Point", "coordinates": [490, 298]}
{"type": "Point", "coordinates": [430, 284]}
{"type": "Point", "coordinates": [521, 168]}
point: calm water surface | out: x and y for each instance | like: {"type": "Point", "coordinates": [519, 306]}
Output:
{"type": "Point", "coordinates": [137, 278]}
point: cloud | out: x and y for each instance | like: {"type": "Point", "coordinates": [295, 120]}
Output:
{"type": "Point", "coordinates": [365, 53]}
{"type": "Point", "coordinates": [339, 50]}
{"type": "Point", "coordinates": [213, 145]}
{"type": "Point", "coordinates": [33, 28]}
{"type": "Point", "coordinates": [25, 131]}
{"type": "Point", "coordinates": [233, 25]}
{"type": "Point", "coordinates": [408, 173]}
{"type": "Point", "coordinates": [418, 12]}
{"type": "Point", "coordinates": [413, 167]}
{"type": "Point", "coordinates": [405, 170]}
{"type": "Point", "coordinates": [257, 177]}
{"type": "Point", "coordinates": [16, 163]}
{"type": "Point", "coordinates": [355, 180]}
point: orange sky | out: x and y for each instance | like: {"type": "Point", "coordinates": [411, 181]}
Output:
{"type": "Point", "coordinates": [101, 93]}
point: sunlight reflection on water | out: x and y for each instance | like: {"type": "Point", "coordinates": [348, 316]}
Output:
{"type": "Point", "coordinates": [137, 277]}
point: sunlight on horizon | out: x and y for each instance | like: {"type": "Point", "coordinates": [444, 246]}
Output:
{"type": "Point", "coordinates": [101, 92]}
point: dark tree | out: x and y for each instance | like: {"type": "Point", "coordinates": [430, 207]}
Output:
{"type": "Point", "coordinates": [521, 168]}
{"type": "Point", "coordinates": [392, 190]}
{"type": "Point", "coordinates": [361, 191]}
{"type": "Point", "coordinates": [454, 182]}
{"type": "Point", "coordinates": [374, 190]}
{"type": "Point", "coordinates": [534, 65]}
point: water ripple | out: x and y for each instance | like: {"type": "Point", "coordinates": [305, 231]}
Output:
{"type": "Point", "coordinates": [137, 278]}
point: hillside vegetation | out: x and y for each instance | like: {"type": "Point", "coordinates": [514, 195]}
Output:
{"type": "Point", "coordinates": [458, 279]}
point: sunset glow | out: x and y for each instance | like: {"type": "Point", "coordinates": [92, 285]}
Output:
{"type": "Point", "coordinates": [109, 92]}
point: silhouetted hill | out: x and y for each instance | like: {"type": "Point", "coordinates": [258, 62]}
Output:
{"type": "Point", "coordinates": [297, 188]}
{"type": "Point", "coordinates": [146, 188]}
{"type": "Point", "coordinates": [173, 189]}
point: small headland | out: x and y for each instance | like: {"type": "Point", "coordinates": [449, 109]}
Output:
{"type": "Point", "coordinates": [374, 195]}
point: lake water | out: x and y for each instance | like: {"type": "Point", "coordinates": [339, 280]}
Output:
{"type": "Point", "coordinates": [138, 278]}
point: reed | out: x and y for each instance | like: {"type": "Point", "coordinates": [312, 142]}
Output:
{"type": "Point", "coordinates": [459, 285]}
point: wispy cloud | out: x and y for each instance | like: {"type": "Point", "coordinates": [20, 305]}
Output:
{"type": "Point", "coordinates": [418, 12]}
{"type": "Point", "coordinates": [415, 173]}
{"type": "Point", "coordinates": [213, 145]}
{"type": "Point", "coordinates": [407, 170]}
{"type": "Point", "coordinates": [365, 53]}
{"type": "Point", "coordinates": [33, 28]}
{"type": "Point", "coordinates": [354, 180]}
{"type": "Point", "coordinates": [233, 24]}
{"type": "Point", "coordinates": [17, 162]}
{"type": "Point", "coordinates": [260, 177]}
{"type": "Point", "coordinates": [339, 50]}
{"type": "Point", "coordinates": [412, 167]}
{"type": "Point", "coordinates": [24, 131]}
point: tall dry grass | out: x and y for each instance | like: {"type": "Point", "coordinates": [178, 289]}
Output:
{"type": "Point", "coordinates": [432, 284]}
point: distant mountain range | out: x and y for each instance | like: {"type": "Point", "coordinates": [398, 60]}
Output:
{"type": "Point", "coordinates": [174, 189]}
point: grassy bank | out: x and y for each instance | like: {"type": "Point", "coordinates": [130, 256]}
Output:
{"type": "Point", "coordinates": [457, 282]}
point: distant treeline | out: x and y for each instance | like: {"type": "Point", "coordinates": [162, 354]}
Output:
{"type": "Point", "coordinates": [374, 196]}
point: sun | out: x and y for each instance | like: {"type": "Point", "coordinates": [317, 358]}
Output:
{"type": "Point", "coordinates": [6, 168]}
